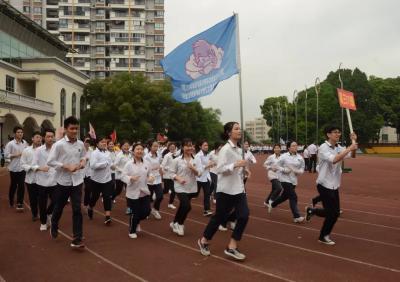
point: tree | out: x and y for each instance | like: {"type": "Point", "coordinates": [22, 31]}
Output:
{"type": "Point", "coordinates": [378, 104]}
{"type": "Point", "coordinates": [138, 109]}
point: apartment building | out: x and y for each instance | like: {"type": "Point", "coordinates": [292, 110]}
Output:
{"type": "Point", "coordinates": [258, 129]}
{"type": "Point", "coordinates": [107, 36]}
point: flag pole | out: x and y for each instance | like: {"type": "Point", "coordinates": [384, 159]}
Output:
{"type": "Point", "coordinates": [239, 64]}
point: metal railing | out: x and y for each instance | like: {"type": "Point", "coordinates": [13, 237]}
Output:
{"type": "Point", "coordinates": [25, 101]}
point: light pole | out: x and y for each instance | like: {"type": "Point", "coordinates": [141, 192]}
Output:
{"type": "Point", "coordinates": [272, 128]}
{"type": "Point", "coordinates": [295, 110]}
{"type": "Point", "coordinates": [287, 124]}
{"type": "Point", "coordinates": [341, 87]}
{"type": "Point", "coordinates": [278, 110]}
{"type": "Point", "coordinates": [317, 87]}
{"type": "Point", "coordinates": [306, 117]}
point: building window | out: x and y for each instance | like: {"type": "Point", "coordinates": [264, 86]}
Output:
{"type": "Point", "coordinates": [10, 83]}
{"type": "Point", "coordinates": [63, 106]}
{"type": "Point", "coordinates": [159, 50]}
{"type": "Point", "coordinates": [159, 26]}
{"type": "Point", "coordinates": [37, 10]}
{"type": "Point", "coordinates": [27, 9]}
{"type": "Point", "coordinates": [159, 1]}
{"type": "Point", "coordinates": [74, 104]}
{"type": "Point", "coordinates": [63, 23]}
{"type": "Point", "coordinates": [100, 12]}
{"type": "Point", "coordinates": [100, 49]}
{"type": "Point", "coordinates": [159, 13]}
{"type": "Point", "coordinates": [159, 38]}
{"type": "Point", "coordinates": [100, 36]}
{"type": "Point", "coordinates": [100, 25]}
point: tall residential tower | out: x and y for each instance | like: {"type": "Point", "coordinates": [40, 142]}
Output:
{"type": "Point", "coordinates": [108, 36]}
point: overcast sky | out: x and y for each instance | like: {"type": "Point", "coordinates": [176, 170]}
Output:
{"type": "Point", "coordinates": [286, 44]}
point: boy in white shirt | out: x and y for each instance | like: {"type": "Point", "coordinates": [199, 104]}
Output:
{"type": "Point", "coordinates": [330, 156]}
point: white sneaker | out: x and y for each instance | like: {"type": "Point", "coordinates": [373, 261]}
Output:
{"type": "Point", "coordinates": [132, 235]}
{"type": "Point", "coordinates": [214, 201]}
{"type": "Point", "coordinates": [138, 228]}
{"type": "Point", "coordinates": [174, 227]}
{"type": "Point", "coordinates": [156, 214]}
{"type": "Point", "coordinates": [181, 230]}
{"type": "Point", "coordinates": [231, 225]}
{"type": "Point", "coordinates": [153, 197]}
{"type": "Point", "coordinates": [43, 227]}
{"type": "Point", "coordinates": [171, 206]}
{"type": "Point", "coordinates": [222, 228]}
{"type": "Point", "coordinates": [48, 222]}
{"type": "Point", "coordinates": [299, 219]}
{"type": "Point", "coordinates": [114, 201]}
{"type": "Point", "coordinates": [327, 241]}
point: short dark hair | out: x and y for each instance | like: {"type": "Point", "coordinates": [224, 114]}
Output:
{"type": "Point", "coordinates": [227, 129]}
{"type": "Point", "coordinates": [277, 145]}
{"type": "Point", "coordinates": [289, 143]}
{"type": "Point", "coordinates": [36, 133]}
{"type": "Point", "coordinates": [70, 120]}
{"type": "Point", "coordinates": [16, 128]}
{"type": "Point", "coordinates": [331, 128]}
{"type": "Point", "coordinates": [217, 144]}
{"type": "Point", "coordinates": [101, 138]}
{"type": "Point", "coordinates": [45, 130]}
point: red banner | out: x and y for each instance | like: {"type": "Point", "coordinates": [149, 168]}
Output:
{"type": "Point", "coordinates": [346, 99]}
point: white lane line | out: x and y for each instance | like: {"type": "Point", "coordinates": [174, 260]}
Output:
{"type": "Point", "coordinates": [317, 230]}
{"type": "Point", "coordinates": [352, 202]}
{"type": "Point", "coordinates": [308, 250]}
{"type": "Point", "coordinates": [247, 267]}
{"type": "Point", "coordinates": [131, 274]}
{"type": "Point", "coordinates": [345, 209]}
{"type": "Point", "coordinates": [340, 219]}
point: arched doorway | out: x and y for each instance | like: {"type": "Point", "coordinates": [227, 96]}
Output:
{"type": "Point", "coordinates": [29, 126]}
{"type": "Point", "coordinates": [10, 121]}
{"type": "Point", "coordinates": [46, 124]}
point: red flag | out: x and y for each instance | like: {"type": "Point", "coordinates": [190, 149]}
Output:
{"type": "Point", "coordinates": [92, 133]}
{"type": "Point", "coordinates": [346, 99]}
{"type": "Point", "coordinates": [113, 136]}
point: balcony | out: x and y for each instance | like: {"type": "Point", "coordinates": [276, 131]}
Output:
{"type": "Point", "coordinates": [75, 27]}
{"type": "Point", "coordinates": [15, 100]}
{"type": "Point", "coordinates": [134, 4]}
{"type": "Point", "coordinates": [80, 3]}
{"type": "Point", "coordinates": [77, 14]}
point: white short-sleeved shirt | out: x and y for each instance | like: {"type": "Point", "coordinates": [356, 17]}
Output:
{"type": "Point", "coordinates": [28, 165]}
{"type": "Point", "coordinates": [13, 147]}
{"type": "Point", "coordinates": [66, 152]}
{"type": "Point", "coordinates": [155, 165]}
{"type": "Point", "coordinates": [270, 163]}
{"type": "Point", "coordinates": [45, 179]}
{"type": "Point", "coordinates": [230, 179]}
{"type": "Point", "coordinates": [100, 166]}
{"type": "Point", "coordinates": [180, 168]}
{"type": "Point", "coordinates": [290, 165]}
{"type": "Point", "coordinates": [120, 161]}
{"type": "Point", "coordinates": [136, 189]}
{"type": "Point", "coordinates": [329, 174]}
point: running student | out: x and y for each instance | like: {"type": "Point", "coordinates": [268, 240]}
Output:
{"type": "Point", "coordinates": [136, 175]}
{"type": "Point", "coordinates": [184, 170]}
{"type": "Point", "coordinates": [203, 180]}
{"type": "Point", "coordinates": [330, 156]}
{"type": "Point", "coordinates": [271, 164]}
{"type": "Point", "coordinates": [27, 164]}
{"type": "Point", "coordinates": [291, 165]}
{"type": "Point", "coordinates": [230, 193]}
{"type": "Point", "coordinates": [166, 164]}
{"type": "Point", "coordinates": [154, 160]}
{"type": "Point", "coordinates": [87, 172]}
{"type": "Point", "coordinates": [101, 166]}
{"type": "Point", "coordinates": [213, 170]}
{"type": "Point", "coordinates": [12, 154]}
{"type": "Point", "coordinates": [113, 155]}
{"type": "Point", "coordinates": [306, 156]}
{"type": "Point", "coordinates": [121, 159]}
{"type": "Point", "coordinates": [67, 156]}
{"type": "Point", "coordinates": [45, 179]}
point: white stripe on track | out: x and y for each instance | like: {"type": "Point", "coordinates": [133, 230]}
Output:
{"type": "Point", "coordinates": [317, 230]}
{"type": "Point", "coordinates": [247, 267]}
{"type": "Point", "coordinates": [308, 250]}
{"type": "Point", "coordinates": [115, 265]}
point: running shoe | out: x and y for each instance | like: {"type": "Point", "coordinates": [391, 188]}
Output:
{"type": "Point", "coordinates": [204, 250]}
{"type": "Point", "coordinates": [234, 253]}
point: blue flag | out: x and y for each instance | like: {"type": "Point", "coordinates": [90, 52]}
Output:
{"type": "Point", "coordinates": [200, 63]}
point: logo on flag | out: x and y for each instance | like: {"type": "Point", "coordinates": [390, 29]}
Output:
{"type": "Point", "coordinates": [200, 63]}
{"type": "Point", "coordinates": [346, 99]}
